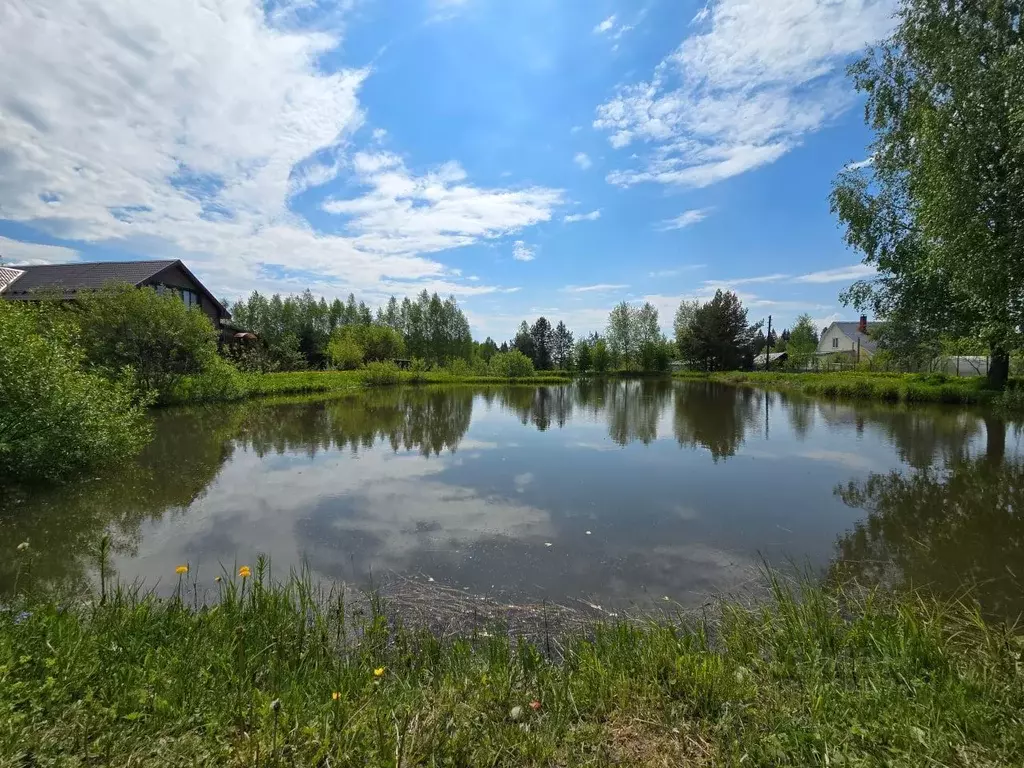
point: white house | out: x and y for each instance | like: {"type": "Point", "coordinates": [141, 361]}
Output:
{"type": "Point", "coordinates": [849, 339]}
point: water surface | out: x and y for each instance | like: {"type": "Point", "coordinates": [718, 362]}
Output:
{"type": "Point", "coordinates": [614, 492]}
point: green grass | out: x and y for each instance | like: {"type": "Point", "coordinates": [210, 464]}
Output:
{"type": "Point", "coordinates": [889, 387]}
{"type": "Point", "coordinates": [285, 675]}
{"type": "Point", "coordinates": [250, 385]}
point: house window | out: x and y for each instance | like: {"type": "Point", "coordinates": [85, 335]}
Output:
{"type": "Point", "coordinates": [191, 298]}
{"type": "Point", "coordinates": [835, 343]}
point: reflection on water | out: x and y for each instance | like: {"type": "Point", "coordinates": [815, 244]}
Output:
{"type": "Point", "coordinates": [613, 491]}
{"type": "Point", "coordinates": [950, 527]}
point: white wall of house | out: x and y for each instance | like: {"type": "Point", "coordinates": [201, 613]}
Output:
{"type": "Point", "coordinates": [834, 340]}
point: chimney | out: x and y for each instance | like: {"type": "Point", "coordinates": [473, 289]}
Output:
{"type": "Point", "coordinates": [863, 327]}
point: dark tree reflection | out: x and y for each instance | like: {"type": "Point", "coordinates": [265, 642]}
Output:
{"type": "Point", "coordinates": [715, 417]}
{"type": "Point", "coordinates": [427, 420]}
{"type": "Point", "coordinates": [942, 529]}
{"type": "Point", "coordinates": [63, 524]}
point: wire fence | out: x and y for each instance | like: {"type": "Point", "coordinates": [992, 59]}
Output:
{"type": "Point", "coordinates": [963, 366]}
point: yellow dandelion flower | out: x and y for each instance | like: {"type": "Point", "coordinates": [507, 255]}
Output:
{"type": "Point", "coordinates": [245, 572]}
{"type": "Point", "coordinates": [378, 672]}
{"type": "Point", "coordinates": [335, 696]}
{"type": "Point", "coordinates": [181, 570]}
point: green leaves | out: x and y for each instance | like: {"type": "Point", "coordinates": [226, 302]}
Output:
{"type": "Point", "coordinates": [715, 336]}
{"type": "Point", "coordinates": [157, 338]}
{"type": "Point", "coordinates": [939, 213]}
{"type": "Point", "coordinates": [57, 419]}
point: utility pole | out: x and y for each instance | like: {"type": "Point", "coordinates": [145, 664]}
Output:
{"type": "Point", "coordinates": [768, 346]}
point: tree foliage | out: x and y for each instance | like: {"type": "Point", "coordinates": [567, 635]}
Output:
{"type": "Point", "coordinates": [523, 341]}
{"type": "Point", "coordinates": [511, 365]}
{"type": "Point", "coordinates": [351, 346]}
{"type": "Point", "coordinates": [621, 334]}
{"type": "Point", "coordinates": [803, 339]}
{"type": "Point", "coordinates": [297, 330]}
{"type": "Point", "coordinates": [562, 348]}
{"type": "Point", "coordinates": [718, 337]}
{"type": "Point", "coordinates": [543, 340]}
{"type": "Point", "coordinates": [583, 355]}
{"type": "Point", "coordinates": [155, 338]}
{"type": "Point", "coordinates": [57, 418]}
{"type": "Point", "coordinates": [938, 211]}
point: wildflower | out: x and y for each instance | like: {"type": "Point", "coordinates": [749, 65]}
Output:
{"type": "Point", "coordinates": [23, 546]}
{"type": "Point", "coordinates": [535, 705]}
{"type": "Point", "coordinates": [335, 696]}
{"type": "Point", "coordinates": [275, 705]}
{"type": "Point", "coordinates": [245, 572]}
{"type": "Point", "coordinates": [217, 579]}
{"type": "Point", "coordinates": [378, 672]}
{"type": "Point", "coordinates": [516, 713]}
{"type": "Point", "coordinates": [22, 617]}
{"type": "Point", "coordinates": [181, 570]}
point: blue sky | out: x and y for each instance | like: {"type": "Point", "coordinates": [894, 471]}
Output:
{"type": "Point", "coordinates": [530, 157]}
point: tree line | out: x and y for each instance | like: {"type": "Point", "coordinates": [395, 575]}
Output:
{"type": "Point", "coordinates": [301, 331]}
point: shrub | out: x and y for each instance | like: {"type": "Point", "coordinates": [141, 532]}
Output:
{"type": "Point", "coordinates": [345, 353]}
{"type": "Point", "coordinates": [459, 368]}
{"type": "Point", "coordinates": [375, 343]}
{"type": "Point", "coordinates": [381, 375]}
{"type": "Point", "coordinates": [418, 371]}
{"type": "Point", "coordinates": [220, 381]}
{"type": "Point", "coordinates": [511, 365]}
{"type": "Point", "coordinates": [55, 418]}
{"type": "Point", "coordinates": [155, 336]}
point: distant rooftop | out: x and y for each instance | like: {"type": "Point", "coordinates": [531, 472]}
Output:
{"type": "Point", "coordinates": [8, 275]}
{"type": "Point", "coordinates": [71, 278]}
{"type": "Point", "coordinates": [867, 340]}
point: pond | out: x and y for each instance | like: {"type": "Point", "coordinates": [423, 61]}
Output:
{"type": "Point", "coordinates": [614, 492]}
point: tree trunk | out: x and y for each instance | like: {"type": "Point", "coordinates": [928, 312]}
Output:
{"type": "Point", "coordinates": [995, 440]}
{"type": "Point", "coordinates": [999, 368]}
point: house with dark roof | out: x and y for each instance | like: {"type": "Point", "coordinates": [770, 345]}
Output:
{"type": "Point", "coordinates": [66, 281]}
{"type": "Point", "coordinates": [855, 340]}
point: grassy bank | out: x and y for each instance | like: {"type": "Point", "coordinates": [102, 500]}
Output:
{"type": "Point", "coordinates": [286, 675]}
{"type": "Point", "coordinates": [889, 387]}
{"type": "Point", "coordinates": [249, 385]}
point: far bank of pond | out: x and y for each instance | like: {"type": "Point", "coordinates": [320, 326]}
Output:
{"type": "Point", "coordinates": [849, 385]}
{"type": "Point", "coordinates": [616, 492]}
{"type": "Point", "coordinates": [880, 387]}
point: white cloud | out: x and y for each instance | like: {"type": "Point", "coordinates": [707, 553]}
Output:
{"type": "Point", "coordinates": [16, 253]}
{"type": "Point", "coordinates": [406, 214]}
{"type": "Point", "coordinates": [600, 287]}
{"type": "Point", "coordinates": [522, 252]}
{"type": "Point", "coordinates": [607, 27]}
{"type": "Point", "coordinates": [827, 320]}
{"type": "Point", "coordinates": [702, 14]}
{"type": "Point", "coordinates": [745, 91]}
{"type": "Point", "coordinates": [838, 275]}
{"type": "Point", "coordinates": [574, 217]}
{"type": "Point", "coordinates": [576, 129]}
{"type": "Point", "coordinates": [865, 163]}
{"type": "Point", "coordinates": [677, 271]}
{"type": "Point", "coordinates": [716, 284]}
{"type": "Point", "coordinates": [582, 160]}
{"type": "Point", "coordinates": [185, 128]}
{"type": "Point", "coordinates": [686, 219]}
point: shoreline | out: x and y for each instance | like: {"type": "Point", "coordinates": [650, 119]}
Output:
{"type": "Point", "coordinates": [293, 674]}
{"type": "Point", "coordinates": [852, 385]}
{"type": "Point", "coordinates": [869, 386]}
